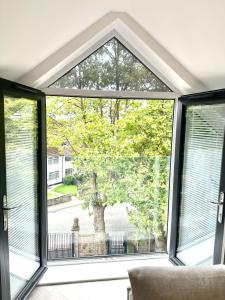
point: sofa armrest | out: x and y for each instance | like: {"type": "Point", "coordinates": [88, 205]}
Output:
{"type": "Point", "coordinates": [180, 283]}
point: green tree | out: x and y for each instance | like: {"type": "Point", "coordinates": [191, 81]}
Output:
{"type": "Point", "coordinates": [111, 67]}
{"type": "Point", "coordinates": [114, 142]}
{"type": "Point", "coordinates": [121, 147]}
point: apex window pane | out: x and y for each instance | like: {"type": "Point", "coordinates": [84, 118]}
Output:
{"type": "Point", "coordinates": [112, 67]}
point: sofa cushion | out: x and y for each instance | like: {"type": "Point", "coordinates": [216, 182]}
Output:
{"type": "Point", "coordinates": [178, 283]}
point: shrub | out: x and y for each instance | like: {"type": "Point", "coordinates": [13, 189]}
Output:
{"type": "Point", "coordinates": [69, 180]}
{"type": "Point", "coordinates": [79, 178]}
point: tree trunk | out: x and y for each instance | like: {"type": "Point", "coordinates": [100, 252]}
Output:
{"type": "Point", "coordinates": [160, 240]}
{"type": "Point", "coordinates": [99, 227]}
{"type": "Point", "coordinates": [99, 221]}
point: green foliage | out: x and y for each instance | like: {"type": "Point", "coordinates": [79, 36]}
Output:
{"type": "Point", "coordinates": [149, 191]}
{"type": "Point", "coordinates": [121, 149]}
{"type": "Point", "coordinates": [80, 178]}
{"type": "Point", "coordinates": [66, 189]}
{"type": "Point", "coordinates": [69, 180]}
{"type": "Point", "coordinates": [111, 67]}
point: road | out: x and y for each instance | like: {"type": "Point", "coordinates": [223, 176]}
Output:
{"type": "Point", "coordinates": [60, 218]}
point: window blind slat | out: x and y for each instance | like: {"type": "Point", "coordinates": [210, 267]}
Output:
{"type": "Point", "coordinates": [203, 146]}
{"type": "Point", "coordinates": [21, 131]}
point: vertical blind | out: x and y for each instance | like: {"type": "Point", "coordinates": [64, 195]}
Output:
{"type": "Point", "coordinates": [204, 137]}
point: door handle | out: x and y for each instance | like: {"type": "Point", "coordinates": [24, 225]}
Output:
{"type": "Point", "coordinates": [12, 207]}
{"type": "Point", "coordinates": [6, 209]}
{"type": "Point", "coordinates": [6, 215]}
{"type": "Point", "coordinates": [220, 207]}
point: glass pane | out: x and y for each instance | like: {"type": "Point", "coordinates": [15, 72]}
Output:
{"type": "Point", "coordinates": [111, 67]}
{"type": "Point", "coordinates": [114, 199]}
{"type": "Point", "coordinates": [200, 183]}
{"type": "Point", "coordinates": [22, 178]}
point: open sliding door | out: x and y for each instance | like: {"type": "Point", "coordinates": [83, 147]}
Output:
{"type": "Point", "coordinates": [23, 188]}
{"type": "Point", "coordinates": [199, 180]}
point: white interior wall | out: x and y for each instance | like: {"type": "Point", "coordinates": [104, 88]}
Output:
{"type": "Point", "coordinates": [191, 32]}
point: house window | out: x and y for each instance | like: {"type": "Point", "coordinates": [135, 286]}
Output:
{"type": "Point", "coordinates": [68, 171]}
{"type": "Point", "coordinates": [68, 158]}
{"type": "Point", "coordinates": [53, 160]}
{"type": "Point", "coordinates": [53, 175]}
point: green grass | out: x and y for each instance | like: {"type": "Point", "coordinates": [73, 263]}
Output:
{"type": "Point", "coordinates": [50, 195]}
{"type": "Point", "coordinates": [66, 189]}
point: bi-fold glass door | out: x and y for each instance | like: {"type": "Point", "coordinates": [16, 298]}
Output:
{"type": "Point", "coordinates": [199, 180]}
{"type": "Point", "coordinates": [197, 220]}
{"type": "Point", "coordinates": [23, 188]}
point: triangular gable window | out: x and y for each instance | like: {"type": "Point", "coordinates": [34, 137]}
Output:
{"type": "Point", "coordinates": [111, 68]}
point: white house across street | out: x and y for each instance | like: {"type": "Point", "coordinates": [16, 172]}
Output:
{"type": "Point", "coordinates": [59, 165]}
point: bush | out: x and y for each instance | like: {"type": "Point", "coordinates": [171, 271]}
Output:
{"type": "Point", "coordinates": [79, 179]}
{"type": "Point", "coordinates": [69, 180]}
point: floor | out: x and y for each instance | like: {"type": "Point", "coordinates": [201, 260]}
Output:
{"type": "Point", "coordinates": [110, 290]}
{"type": "Point", "coordinates": [67, 281]}
{"type": "Point", "coordinates": [99, 269]}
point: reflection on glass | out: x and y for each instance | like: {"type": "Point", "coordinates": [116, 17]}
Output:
{"type": "Point", "coordinates": [111, 67]}
{"type": "Point", "coordinates": [200, 183]}
{"type": "Point", "coordinates": [21, 168]}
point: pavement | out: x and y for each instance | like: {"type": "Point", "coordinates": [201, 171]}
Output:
{"type": "Point", "coordinates": [61, 216]}
{"type": "Point", "coordinates": [65, 205]}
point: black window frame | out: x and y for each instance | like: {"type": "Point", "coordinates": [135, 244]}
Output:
{"type": "Point", "coordinates": [18, 90]}
{"type": "Point", "coordinates": [208, 98]}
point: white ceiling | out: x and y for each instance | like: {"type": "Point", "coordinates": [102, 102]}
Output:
{"type": "Point", "coordinates": [192, 31]}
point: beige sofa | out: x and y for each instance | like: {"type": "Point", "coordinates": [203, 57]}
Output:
{"type": "Point", "coordinates": [177, 283]}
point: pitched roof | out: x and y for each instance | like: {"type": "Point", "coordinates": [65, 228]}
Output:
{"type": "Point", "coordinates": [53, 151]}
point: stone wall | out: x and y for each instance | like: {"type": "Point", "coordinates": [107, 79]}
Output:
{"type": "Point", "coordinates": [97, 244]}
{"type": "Point", "coordinates": [59, 199]}
{"type": "Point", "coordinates": [86, 245]}
{"type": "Point", "coordinates": [89, 245]}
